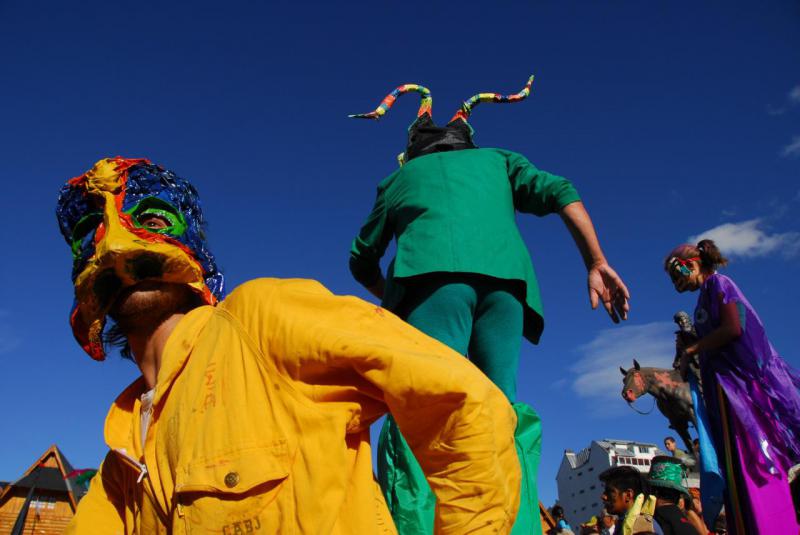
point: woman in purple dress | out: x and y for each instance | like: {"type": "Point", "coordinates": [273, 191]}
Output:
{"type": "Point", "coordinates": [750, 393]}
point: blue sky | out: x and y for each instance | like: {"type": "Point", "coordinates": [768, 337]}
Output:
{"type": "Point", "coordinates": [672, 119]}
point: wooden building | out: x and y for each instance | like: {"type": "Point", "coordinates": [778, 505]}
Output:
{"type": "Point", "coordinates": [43, 500]}
{"type": "Point", "coordinates": [548, 523]}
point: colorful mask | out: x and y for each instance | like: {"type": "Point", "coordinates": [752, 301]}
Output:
{"type": "Point", "coordinates": [100, 215]}
{"type": "Point", "coordinates": [678, 267]}
{"type": "Point", "coordinates": [424, 137]}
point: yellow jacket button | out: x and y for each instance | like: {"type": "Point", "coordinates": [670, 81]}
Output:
{"type": "Point", "coordinates": [231, 479]}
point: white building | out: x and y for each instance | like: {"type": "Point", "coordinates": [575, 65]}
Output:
{"type": "Point", "coordinates": [579, 489]}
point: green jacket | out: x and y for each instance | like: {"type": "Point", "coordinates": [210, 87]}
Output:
{"type": "Point", "coordinates": [454, 212]}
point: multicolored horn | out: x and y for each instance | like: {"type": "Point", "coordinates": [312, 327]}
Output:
{"type": "Point", "coordinates": [424, 106]}
{"type": "Point", "coordinates": [466, 108]}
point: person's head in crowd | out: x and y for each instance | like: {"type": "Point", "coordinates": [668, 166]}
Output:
{"type": "Point", "coordinates": [607, 519]}
{"type": "Point", "coordinates": [557, 511]}
{"type": "Point", "coordinates": [695, 503]}
{"type": "Point", "coordinates": [666, 480]}
{"type": "Point", "coordinates": [622, 485]}
{"type": "Point", "coordinates": [670, 444]}
{"type": "Point", "coordinates": [591, 527]}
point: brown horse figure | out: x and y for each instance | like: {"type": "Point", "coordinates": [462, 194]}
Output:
{"type": "Point", "coordinates": [672, 395]}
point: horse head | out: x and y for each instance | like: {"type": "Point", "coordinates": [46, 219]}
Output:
{"type": "Point", "coordinates": [634, 384]}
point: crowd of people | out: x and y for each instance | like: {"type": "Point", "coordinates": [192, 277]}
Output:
{"type": "Point", "coordinates": [748, 416]}
{"type": "Point", "coordinates": [254, 409]}
{"type": "Point", "coordinates": [639, 504]}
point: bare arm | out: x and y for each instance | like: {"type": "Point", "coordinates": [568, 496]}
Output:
{"type": "Point", "coordinates": [604, 283]}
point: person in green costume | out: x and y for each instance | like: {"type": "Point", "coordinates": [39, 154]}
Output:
{"type": "Point", "coordinates": [463, 275]}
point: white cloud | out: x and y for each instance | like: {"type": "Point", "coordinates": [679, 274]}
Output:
{"type": "Point", "coordinates": [793, 99]}
{"type": "Point", "coordinates": [747, 239]}
{"type": "Point", "coordinates": [794, 95]}
{"type": "Point", "coordinates": [771, 110]}
{"type": "Point", "coordinates": [792, 149]}
{"type": "Point", "coordinates": [597, 370]}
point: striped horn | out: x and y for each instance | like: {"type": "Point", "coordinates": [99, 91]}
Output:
{"type": "Point", "coordinates": [424, 106]}
{"type": "Point", "coordinates": [466, 108]}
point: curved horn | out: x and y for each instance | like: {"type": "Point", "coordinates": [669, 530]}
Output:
{"type": "Point", "coordinates": [623, 371]}
{"type": "Point", "coordinates": [426, 101]}
{"type": "Point", "coordinates": [636, 365]}
{"type": "Point", "coordinates": [466, 108]}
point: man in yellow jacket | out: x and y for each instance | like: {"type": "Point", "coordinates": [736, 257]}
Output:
{"type": "Point", "coordinates": [252, 414]}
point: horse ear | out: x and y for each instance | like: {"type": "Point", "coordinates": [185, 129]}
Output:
{"type": "Point", "coordinates": [622, 371]}
{"type": "Point", "coordinates": [636, 365]}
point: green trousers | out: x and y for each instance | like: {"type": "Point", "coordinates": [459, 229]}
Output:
{"type": "Point", "coordinates": [481, 318]}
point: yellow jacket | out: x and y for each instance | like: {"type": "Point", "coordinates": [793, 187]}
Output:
{"type": "Point", "coordinates": [261, 420]}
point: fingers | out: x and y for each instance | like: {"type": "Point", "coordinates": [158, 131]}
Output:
{"type": "Point", "coordinates": [615, 280]}
{"type": "Point", "coordinates": [618, 289]}
{"type": "Point", "coordinates": [606, 286]}
{"type": "Point", "coordinates": [611, 311]}
{"type": "Point", "coordinates": [621, 304]}
{"type": "Point", "coordinates": [593, 297]}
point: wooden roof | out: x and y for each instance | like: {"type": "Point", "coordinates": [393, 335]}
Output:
{"type": "Point", "coordinates": [547, 520]}
{"type": "Point", "coordinates": [48, 472]}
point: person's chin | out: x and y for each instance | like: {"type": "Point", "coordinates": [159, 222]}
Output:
{"type": "Point", "coordinates": [138, 298]}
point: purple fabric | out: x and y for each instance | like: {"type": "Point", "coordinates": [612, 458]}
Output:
{"type": "Point", "coordinates": [761, 388]}
{"type": "Point", "coordinates": [770, 508]}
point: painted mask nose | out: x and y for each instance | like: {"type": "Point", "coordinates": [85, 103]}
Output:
{"type": "Point", "coordinates": [146, 266]}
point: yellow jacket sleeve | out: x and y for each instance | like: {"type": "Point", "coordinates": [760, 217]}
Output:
{"type": "Point", "coordinates": [459, 425]}
{"type": "Point", "coordinates": [102, 510]}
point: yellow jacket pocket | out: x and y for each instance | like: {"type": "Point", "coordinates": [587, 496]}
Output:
{"type": "Point", "coordinates": [244, 491]}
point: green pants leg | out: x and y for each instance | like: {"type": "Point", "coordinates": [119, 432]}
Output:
{"type": "Point", "coordinates": [481, 317]}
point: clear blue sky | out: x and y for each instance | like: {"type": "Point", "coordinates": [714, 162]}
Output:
{"type": "Point", "coordinates": [671, 119]}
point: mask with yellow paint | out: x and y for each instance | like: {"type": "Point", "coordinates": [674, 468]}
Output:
{"type": "Point", "coordinates": [106, 216]}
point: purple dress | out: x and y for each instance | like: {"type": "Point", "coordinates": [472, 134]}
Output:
{"type": "Point", "coordinates": [753, 406]}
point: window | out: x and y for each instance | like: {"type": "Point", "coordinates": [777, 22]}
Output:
{"type": "Point", "coordinates": [592, 487]}
{"type": "Point", "coordinates": [591, 469]}
{"type": "Point", "coordinates": [594, 505]}
{"type": "Point", "coordinates": [43, 502]}
{"type": "Point", "coordinates": [580, 474]}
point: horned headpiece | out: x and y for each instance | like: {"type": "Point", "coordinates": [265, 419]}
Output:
{"type": "Point", "coordinates": [424, 137]}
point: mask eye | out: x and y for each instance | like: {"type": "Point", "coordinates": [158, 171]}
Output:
{"type": "Point", "coordinates": [677, 270]}
{"type": "Point", "coordinates": [154, 222]}
{"type": "Point", "coordinates": [158, 216]}
{"type": "Point", "coordinates": [83, 228]}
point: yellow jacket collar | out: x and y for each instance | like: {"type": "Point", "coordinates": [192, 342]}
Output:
{"type": "Point", "coordinates": [118, 429]}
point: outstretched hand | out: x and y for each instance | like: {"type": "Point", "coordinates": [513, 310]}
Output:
{"type": "Point", "coordinates": [606, 286]}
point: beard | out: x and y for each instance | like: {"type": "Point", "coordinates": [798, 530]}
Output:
{"type": "Point", "coordinates": [144, 306]}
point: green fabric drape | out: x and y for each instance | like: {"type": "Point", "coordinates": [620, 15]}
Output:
{"type": "Point", "coordinates": [410, 499]}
